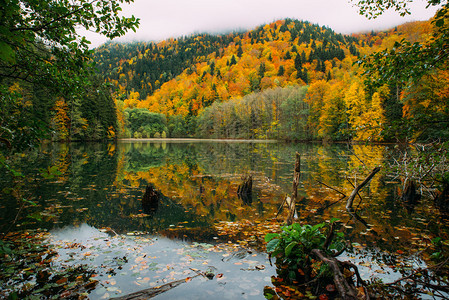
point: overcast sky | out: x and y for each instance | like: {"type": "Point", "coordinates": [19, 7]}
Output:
{"type": "Point", "coordinates": [161, 19]}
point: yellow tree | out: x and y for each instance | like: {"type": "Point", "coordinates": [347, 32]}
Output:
{"type": "Point", "coordinates": [333, 115]}
{"type": "Point", "coordinates": [314, 97]}
{"type": "Point", "coordinates": [356, 106]}
{"type": "Point", "coordinates": [61, 120]}
{"type": "Point", "coordinates": [372, 121]}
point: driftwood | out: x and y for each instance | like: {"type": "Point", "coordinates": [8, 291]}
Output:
{"type": "Point", "coordinates": [292, 204]}
{"type": "Point", "coordinates": [359, 187]}
{"type": "Point", "coordinates": [153, 292]}
{"type": "Point", "coordinates": [281, 206]}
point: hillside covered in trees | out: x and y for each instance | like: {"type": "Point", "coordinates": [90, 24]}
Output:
{"type": "Point", "coordinates": [288, 80]}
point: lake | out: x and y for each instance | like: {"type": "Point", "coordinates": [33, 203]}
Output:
{"type": "Point", "coordinates": [93, 211]}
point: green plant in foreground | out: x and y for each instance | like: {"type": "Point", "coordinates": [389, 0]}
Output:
{"type": "Point", "coordinates": [292, 248]}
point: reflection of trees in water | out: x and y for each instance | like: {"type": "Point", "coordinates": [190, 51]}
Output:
{"type": "Point", "coordinates": [103, 186]}
{"type": "Point", "coordinates": [87, 174]}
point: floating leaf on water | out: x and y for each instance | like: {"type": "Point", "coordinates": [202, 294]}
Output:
{"type": "Point", "coordinates": [62, 280]}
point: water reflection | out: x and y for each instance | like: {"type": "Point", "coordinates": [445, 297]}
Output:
{"type": "Point", "coordinates": [199, 190]}
{"type": "Point", "coordinates": [201, 183]}
{"type": "Point", "coordinates": [127, 263]}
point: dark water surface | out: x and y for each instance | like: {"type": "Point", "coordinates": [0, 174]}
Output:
{"type": "Point", "coordinates": [96, 202]}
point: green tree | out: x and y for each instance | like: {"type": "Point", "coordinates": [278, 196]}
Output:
{"type": "Point", "coordinates": [233, 61]}
{"type": "Point", "coordinates": [145, 122]}
{"type": "Point", "coordinates": [281, 70]}
{"type": "Point", "coordinates": [41, 48]}
{"type": "Point", "coordinates": [298, 63]}
{"type": "Point", "coordinates": [239, 52]}
{"type": "Point", "coordinates": [262, 70]}
{"type": "Point", "coordinates": [40, 40]}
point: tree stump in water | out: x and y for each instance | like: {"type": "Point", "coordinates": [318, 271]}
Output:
{"type": "Point", "coordinates": [442, 199]}
{"type": "Point", "coordinates": [150, 200]}
{"type": "Point", "coordinates": [409, 196]}
{"type": "Point", "coordinates": [245, 190]}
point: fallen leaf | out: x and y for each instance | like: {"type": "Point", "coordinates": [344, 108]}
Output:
{"type": "Point", "coordinates": [330, 288]}
{"type": "Point", "coordinates": [62, 280]}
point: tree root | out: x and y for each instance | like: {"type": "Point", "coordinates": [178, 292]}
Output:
{"type": "Point", "coordinates": [346, 290]}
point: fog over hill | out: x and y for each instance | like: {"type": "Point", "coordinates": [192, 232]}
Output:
{"type": "Point", "coordinates": [175, 18]}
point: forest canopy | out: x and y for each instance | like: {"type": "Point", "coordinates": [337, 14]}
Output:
{"type": "Point", "coordinates": [191, 80]}
{"type": "Point", "coordinates": [46, 79]}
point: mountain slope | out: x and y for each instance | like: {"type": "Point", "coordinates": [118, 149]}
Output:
{"type": "Point", "coordinates": [182, 76]}
{"type": "Point", "coordinates": [285, 80]}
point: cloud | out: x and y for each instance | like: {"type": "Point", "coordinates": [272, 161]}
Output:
{"type": "Point", "coordinates": [161, 19]}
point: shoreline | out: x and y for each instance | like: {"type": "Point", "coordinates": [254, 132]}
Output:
{"type": "Point", "coordinates": [194, 140]}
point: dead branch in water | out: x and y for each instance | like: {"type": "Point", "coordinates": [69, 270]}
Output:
{"type": "Point", "coordinates": [153, 292]}
{"type": "Point", "coordinates": [292, 204]}
{"type": "Point", "coordinates": [359, 187]}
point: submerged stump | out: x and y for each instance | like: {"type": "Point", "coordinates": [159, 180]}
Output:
{"type": "Point", "coordinates": [442, 199]}
{"type": "Point", "coordinates": [245, 190]}
{"type": "Point", "coordinates": [150, 200]}
{"type": "Point", "coordinates": [409, 196]}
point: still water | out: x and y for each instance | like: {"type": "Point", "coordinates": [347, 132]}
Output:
{"type": "Point", "coordinates": [94, 212]}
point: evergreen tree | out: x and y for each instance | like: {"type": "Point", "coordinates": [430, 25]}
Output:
{"type": "Point", "coordinates": [281, 70]}
{"type": "Point", "coordinates": [233, 61]}
{"type": "Point", "coordinates": [262, 70]}
{"type": "Point", "coordinates": [298, 63]}
{"type": "Point", "coordinates": [239, 51]}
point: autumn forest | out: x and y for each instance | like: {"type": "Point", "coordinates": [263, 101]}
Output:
{"type": "Point", "coordinates": [288, 80]}
{"type": "Point", "coordinates": [137, 167]}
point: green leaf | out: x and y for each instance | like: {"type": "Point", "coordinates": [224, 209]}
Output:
{"type": "Point", "coordinates": [272, 245]}
{"type": "Point", "coordinates": [270, 236]}
{"type": "Point", "coordinates": [436, 241]}
{"type": "Point", "coordinates": [36, 216]}
{"type": "Point", "coordinates": [318, 226]}
{"type": "Point", "coordinates": [6, 53]}
{"type": "Point", "coordinates": [290, 247]}
{"type": "Point", "coordinates": [439, 23]}
{"type": "Point", "coordinates": [29, 202]}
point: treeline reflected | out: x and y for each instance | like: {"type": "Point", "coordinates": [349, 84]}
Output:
{"type": "Point", "coordinates": [103, 185]}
